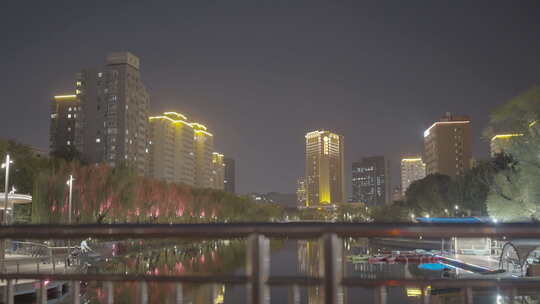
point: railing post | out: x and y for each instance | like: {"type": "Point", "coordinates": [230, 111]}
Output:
{"type": "Point", "coordinates": [179, 294]}
{"type": "Point", "coordinates": [467, 295]}
{"type": "Point", "coordinates": [76, 288]}
{"type": "Point", "coordinates": [257, 269]}
{"type": "Point", "coordinates": [42, 293]}
{"type": "Point", "coordinates": [381, 294]}
{"type": "Point", "coordinates": [10, 292]}
{"type": "Point", "coordinates": [294, 295]}
{"type": "Point", "coordinates": [144, 292]}
{"type": "Point", "coordinates": [331, 268]}
{"type": "Point", "coordinates": [109, 291]}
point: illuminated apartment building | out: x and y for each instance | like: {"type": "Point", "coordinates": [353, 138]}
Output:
{"type": "Point", "coordinates": [115, 104]}
{"type": "Point", "coordinates": [324, 168]}
{"type": "Point", "coordinates": [447, 145]}
{"type": "Point", "coordinates": [204, 147]}
{"type": "Point", "coordinates": [171, 149]}
{"type": "Point", "coordinates": [371, 181]}
{"type": "Point", "coordinates": [412, 169]}
{"type": "Point", "coordinates": [218, 171]}
{"type": "Point", "coordinates": [501, 142]}
{"type": "Point", "coordinates": [65, 124]}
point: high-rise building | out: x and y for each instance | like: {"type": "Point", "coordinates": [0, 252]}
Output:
{"type": "Point", "coordinates": [501, 142]}
{"type": "Point", "coordinates": [412, 169]}
{"type": "Point", "coordinates": [204, 147]}
{"type": "Point", "coordinates": [229, 180]}
{"type": "Point", "coordinates": [324, 168]}
{"type": "Point", "coordinates": [115, 106]}
{"type": "Point", "coordinates": [218, 171]}
{"type": "Point", "coordinates": [171, 149]}
{"type": "Point", "coordinates": [371, 181]}
{"type": "Point", "coordinates": [301, 192]}
{"type": "Point", "coordinates": [447, 145]}
{"type": "Point", "coordinates": [65, 124]}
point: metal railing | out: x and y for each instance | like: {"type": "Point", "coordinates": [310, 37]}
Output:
{"type": "Point", "coordinates": [257, 278]}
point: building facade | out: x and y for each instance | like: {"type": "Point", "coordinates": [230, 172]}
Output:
{"type": "Point", "coordinates": [204, 147]}
{"type": "Point", "coordinates": [324, 168]}
{"type": "Point", "coordinates": [447, 146]}
{"type": "Point", "coordinates": [412, 169]}
{"type": "Point", "coordinates": [218, 171]}
{"type": "Point", "coordinates": [171, 149]}
{"type": "Point", "coordinates": [301, 192]}
{"type": "Point", "coordinates": [65, 133]}
{"type": "Point", "coordinates": [371, 181]}
{"type": "Point", "coordinates": [229, 179]}
{"type": "Point", "coordinates": [115, 105]}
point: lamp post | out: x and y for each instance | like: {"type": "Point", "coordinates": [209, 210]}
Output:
{"type": "Point", "coordinates": [5, 165]}
{"type": "Point", "coordinates": [4, 242]}
{"type": "Point", "coordinates": [70, 184]}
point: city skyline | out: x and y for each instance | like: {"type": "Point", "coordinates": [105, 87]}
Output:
{"type": "Point", "coordinates": [202, 78]}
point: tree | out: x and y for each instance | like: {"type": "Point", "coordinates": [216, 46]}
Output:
{"type": "Point", "coordinates": [25, 168]}
{"type": "Point", "coordinates": [515, 191]}
{"type": "Point", "coordinates": [429, 195]}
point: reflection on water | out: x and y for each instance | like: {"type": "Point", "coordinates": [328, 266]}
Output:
{"type": "Point", "coordinates": [287, 258]}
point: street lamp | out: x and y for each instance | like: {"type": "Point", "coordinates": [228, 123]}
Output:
{"type": "Point", "coordinates": [6, 166]}
{"type": "Point", "coordinates": [70, 184]}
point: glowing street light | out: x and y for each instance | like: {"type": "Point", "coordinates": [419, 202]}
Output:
{"type": "Point", "coordinates": [456, 207]}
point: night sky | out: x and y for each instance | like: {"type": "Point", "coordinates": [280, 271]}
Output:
{"type": "Point", "coordinates": [261, 74]}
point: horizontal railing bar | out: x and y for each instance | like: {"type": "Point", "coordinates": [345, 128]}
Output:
{"type": "Point", "coordinates": [283, 230]}
{"type": "Point", "coordinates": [195, 279]}
{"type": "Point", "coordinates": [294, 280]}
{"type": "Point", "coordinates": [278, 280]}
{"type": "Point", "coordinates": [443, 283]}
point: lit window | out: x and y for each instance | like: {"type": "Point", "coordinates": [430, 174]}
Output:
{"type": "Point", "coordinates": [99, 75]}
{"type": "Point", "coordinates": [98, 140]}
{"type": "Point", "coordinates": [69, 115]}
{"type": "Point", "coordinates": [69, 129]}
{"type": "Point", "coordinates": [77, 91]}
{"type": "Point", "coordinates": [53, 115]}
{"type": "Point", "coordinates": [74, 115]}
{"type": "Point", "coordinates": [78, 83]}
{"type": "Point", "coordinates": [69, 109]}
{"type": "Point", "coordinates": [69, 143]}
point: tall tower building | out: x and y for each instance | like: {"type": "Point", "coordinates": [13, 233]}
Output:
{"type": "Point", "coordinates": [324, 168]}
{"type": "Point", "coordinates": [171, 148]}
{"type": "Point", "coordinates": [218, 171]}
{"type": "Point", "coordinates": [204, 147]}
{"type": "Point", "coordinates": [65, 124]}
{"type": "Point", "coordinates": [447, 145]}
{"type": "Point", "coordinates": [371, 181]}
{"type": "Point", "coordinates": [229, 180]}
{"type": "Point", "coordinates": [412, 169]}
{"type": "Point", "coordinates": [115, 104]}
